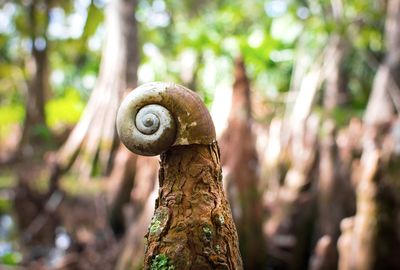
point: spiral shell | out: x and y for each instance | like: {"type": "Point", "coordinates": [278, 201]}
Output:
{"type": "Point", "coordinates": [156, 116]}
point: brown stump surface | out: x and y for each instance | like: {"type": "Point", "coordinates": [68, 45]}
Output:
{"type": "Point", "coordinates": [192, 227]}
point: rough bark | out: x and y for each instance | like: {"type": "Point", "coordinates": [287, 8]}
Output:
{"type": "Point", "coordinates": [240, 162]}
{"type": "Point", "coordinates": [192, 227]}
{"type": "Point", "coordinates": [385, 96]}
{"type": "Point", "coordinates": [93, 138]}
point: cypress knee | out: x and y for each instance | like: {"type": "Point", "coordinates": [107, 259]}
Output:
{"type": "Point", "coordinates": [192, 226]}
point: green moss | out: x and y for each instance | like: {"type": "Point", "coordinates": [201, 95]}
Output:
{"type": "Point", "coordinates": [161, 262]}
{"type": "Point", "coordinates": [154, 226]}
{"type": "Point", "coordinates": [221, 219]}
{"type": "Point", "coordinates": [207, 233]}
{"type": "Point", "coordinates": [159, 221]}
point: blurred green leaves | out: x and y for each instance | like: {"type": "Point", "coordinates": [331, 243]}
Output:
{"type": "Point", "coordinates": [268, 34]}
{"type": "Point", "coordinates": [64, 110]}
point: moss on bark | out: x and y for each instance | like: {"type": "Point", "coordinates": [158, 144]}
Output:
{"type": "Point", "coordinates": [192, 225]}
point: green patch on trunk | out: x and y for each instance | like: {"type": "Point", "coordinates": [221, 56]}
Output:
{"type": "Point", "coordinates": [161, 262]}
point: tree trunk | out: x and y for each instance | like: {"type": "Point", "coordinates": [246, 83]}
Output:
{"type": "Point", "coordinates": [119, 188]}
{"type": "Point", "coordinates": [142, 199]}
{"type": "Point", "coordinates": [239, 160]}
{"type": "Point", "coordinates": [192, 227]}
{"type": "Point", "coordinates": [93, 138]}
{"type": "Point", "coordinates": [335, 201]}
{"type": "Point", "coordinates": [38, 86]}
{"type": "Point", "coordinates": [289, 227]}
{"type": "Point", "coordinates": [132, 254]}
{"type": "Point", "coordinates": [335, 93]}
{"type": "Point", "coordinates": [370, 240]}
{"type": "Point", "coordinates": [385, 96]}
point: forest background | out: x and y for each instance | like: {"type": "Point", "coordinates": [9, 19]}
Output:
{"type": "Point", "coordinates": [304, 96]}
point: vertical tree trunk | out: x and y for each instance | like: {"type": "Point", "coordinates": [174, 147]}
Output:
{"type": "Point", "coordinates": [289, 227]}
{"type": "Point", "coordinates": [385, 91]}
{"type": "Point", "coordinates": [239, 159]}
{"type": "Point", "coordinates": [119, 186]}
{"type": "Point", "coordinates": [335, 88]}
{"type": "Point", "coordinates": [93, 138]}
{"type": "Point", "coordinates": [335, 201]}
{"type": "Point", "coordinates": [142, 198]}
{"type": "Point", "coordinates": [192, 227]}
{"type": "Point", "coordinates": [370, 240]}
{"type": "Point", "coordinates": [38, 85]}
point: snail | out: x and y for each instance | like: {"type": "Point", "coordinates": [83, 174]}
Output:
{"type": "Point", "coordinates": [155, 116]}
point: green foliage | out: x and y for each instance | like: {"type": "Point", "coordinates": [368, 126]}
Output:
{"type": "Point", "coordinates": [10, 115]}
{"type": "Point", "coordinates": [5, 205]}
{"type": "Point", "coordinates": [161, 262]}
{"type": "Point", "coordinates": [64, 110]}
{"type": "Point", "coordinates": [208, 33]}
{"type": "Point", "coordinates": [11, 258]}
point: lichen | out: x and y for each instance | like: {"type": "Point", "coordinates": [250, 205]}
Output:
{"type": "Point", "coordinates": [161, 262]}
{"type": "Point", "coordinates": [159, 221]}
{"type": "Point", "coordinates": [221, 219]}
{"type": "Point", "coordinates": [218, 219]}
{"type": "Point", "coordinates": [207, 232]}
{"type": "Point", "coordinates": [154, 226]}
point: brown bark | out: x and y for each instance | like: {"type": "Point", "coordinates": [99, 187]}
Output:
{"type": "Point", "coordinates": [385, 96]}
{"type": "Point", "coordinates": [93, 138]}
{"type": "Point", "coordinates": [239, 159]}
{"type": "Point", "coordinates": [192, 227]}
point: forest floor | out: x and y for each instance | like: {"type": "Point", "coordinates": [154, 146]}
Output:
{"type": "Point", "coordinates": [64, 229]}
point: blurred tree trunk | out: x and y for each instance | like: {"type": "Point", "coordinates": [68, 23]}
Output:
{"type": "Point", "coordinates": [34, 127]}
{"type": "Point", "coordinates": [119, 186]}
{"type": "Point", "coordinates": [335, 198]}
{"type": "Point", "coordinates": [335, 89]}
{"type": "Point", "coordinates": [385, 96]}
{"type": "Point", "coordinates": [93, 139]}
{"type": "Point", "coordinates": [370, 239]}
{"type": "Point", "coordinates": [142, 196]}
{"type": "Point", "coordinates": [289, 227]}
{"type": "Point", "coordinates": [240, 163]}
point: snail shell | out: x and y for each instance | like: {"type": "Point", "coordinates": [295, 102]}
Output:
{"type": "Point", "coordinates": [156, 116]}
